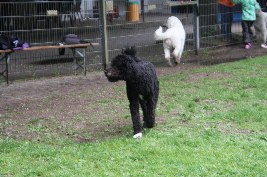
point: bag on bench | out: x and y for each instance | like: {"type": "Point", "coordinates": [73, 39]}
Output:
{"type": "Point", "coordinates": [6, 42]}
{"type": "Point", "coordinates": [18, 43]}
{"type": "Point", "coordinates": [71, 39]}
{"type": "Point", "coordinates": [13, 43]}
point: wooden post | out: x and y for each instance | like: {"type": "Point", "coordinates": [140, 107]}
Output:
{"type": "Point", "coordinates": [103, 31]}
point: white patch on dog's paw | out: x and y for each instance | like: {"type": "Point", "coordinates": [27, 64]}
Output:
{"type": "Point", "coordinates": [138, 135]}
{"type": "Point", "coordinates": [141, 96]}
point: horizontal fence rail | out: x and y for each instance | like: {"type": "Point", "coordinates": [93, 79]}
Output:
{"type": "Point", "coordinates": [41, 23]}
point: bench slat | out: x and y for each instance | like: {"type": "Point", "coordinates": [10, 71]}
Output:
{"type": "Point", "coordinates": [51, 47]}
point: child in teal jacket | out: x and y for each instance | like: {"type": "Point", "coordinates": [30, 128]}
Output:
{"type": "Point", "coordinates": [249, 8]}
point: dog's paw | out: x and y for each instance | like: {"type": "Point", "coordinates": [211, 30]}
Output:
{"type": "Point", "coordinates": [138, 135]}
{"type": "Point", "coordinates": [169, 63]}
{"type": "Point", "coordinates": [177, 63]}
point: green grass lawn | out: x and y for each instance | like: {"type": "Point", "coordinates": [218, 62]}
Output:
{"type": "Point", "coordinates": [215, 124]}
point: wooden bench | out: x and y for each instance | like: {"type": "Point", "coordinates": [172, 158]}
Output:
{"type": "Point", "coordinates": [7, 55]}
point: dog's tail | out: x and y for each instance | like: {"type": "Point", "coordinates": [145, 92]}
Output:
{"type": "Point", "coordinates": [160, 35]}
{"type": "Point", "coordinates": [131, 51]}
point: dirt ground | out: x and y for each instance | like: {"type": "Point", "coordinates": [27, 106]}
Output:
{"type": "Point", "coordinates": [27, 105]}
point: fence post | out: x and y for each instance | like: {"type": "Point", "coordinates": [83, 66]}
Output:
{"type": "Point", "coordinates": [196, 26]}
{"type": "Point", "coordinates": [103, 33]}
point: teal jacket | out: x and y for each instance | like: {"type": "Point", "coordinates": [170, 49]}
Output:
{"type": "Point", "coordinates": [248, 9]}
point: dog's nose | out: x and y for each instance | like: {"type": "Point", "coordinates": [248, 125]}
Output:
{"type": "Point", "coordinates": [105, 72]}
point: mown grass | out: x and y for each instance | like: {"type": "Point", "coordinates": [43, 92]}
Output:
{"type": "Point", "coordinates": [216, 126]}
{"type": "Point", "coordinates": [176, 152]}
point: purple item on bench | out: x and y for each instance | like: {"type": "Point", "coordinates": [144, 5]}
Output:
{"type": "Point", "coordinates": [25, 45]}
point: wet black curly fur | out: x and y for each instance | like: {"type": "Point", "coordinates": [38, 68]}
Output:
{"type": "Point", "coordinates": [141, 83]}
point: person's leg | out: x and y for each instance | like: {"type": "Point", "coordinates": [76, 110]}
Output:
{"type": "Point", "coordinates": [250, 32]}
{"type": "Point", "coordinates": [246, 33]}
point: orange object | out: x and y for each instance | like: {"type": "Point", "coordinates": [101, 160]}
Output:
{"type": "Point", "coordinates": [228, 3]}
{"type": "Point", "coordinates": [132, 13]}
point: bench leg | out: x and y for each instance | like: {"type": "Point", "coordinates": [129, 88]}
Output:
{"type": "Point", "coordinates": [84, 61]}
{"type": "Point", "coordinates": [79, 65]}
{"type": "Point", "coordinates": [74, 60]}
{"type": "Point", "coordinates": [4, 73]}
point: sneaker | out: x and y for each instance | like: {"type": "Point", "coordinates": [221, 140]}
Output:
{"type": "Point", "coordinates": [248, 46]}
{"type": "Point", "coordinates": [264, 46]}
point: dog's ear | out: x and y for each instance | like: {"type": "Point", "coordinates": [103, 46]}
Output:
{"type": "Point", "coordinates": [137, 59]}
{"type": "Point", "coordinates": [122, 51]}
{"type": "Point", "coordinates": [132, 58]}
{"type": "Point", "coordinates": [172, 21]}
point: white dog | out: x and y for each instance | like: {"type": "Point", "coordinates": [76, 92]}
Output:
{"type": "Point", "coordinates": [260, 26]}
{"type": "Point", "coordinates": [173, 39]}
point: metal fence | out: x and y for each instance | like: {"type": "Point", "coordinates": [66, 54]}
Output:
{"type": "Point", "coordinates": [46, 22]}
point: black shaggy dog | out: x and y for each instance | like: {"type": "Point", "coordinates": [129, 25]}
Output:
{"type": "Point", "coordinates": [142, 86]}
